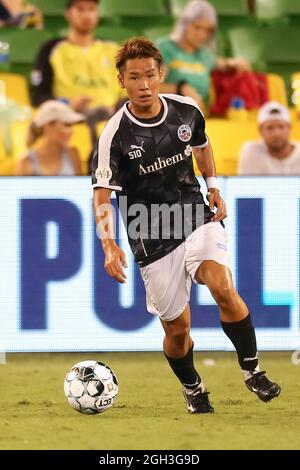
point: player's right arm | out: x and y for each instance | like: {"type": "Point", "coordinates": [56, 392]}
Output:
{"type": "Point", "coordinates": [105, 179]}
{"type": "Point", "coordinates": [115, 258]}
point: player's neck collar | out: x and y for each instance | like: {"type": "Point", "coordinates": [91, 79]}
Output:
{"type": "Point", "coordinates": [144, 124]}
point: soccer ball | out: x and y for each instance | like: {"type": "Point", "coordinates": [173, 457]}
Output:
{"type": "Point", "coordinates": [91, 387]}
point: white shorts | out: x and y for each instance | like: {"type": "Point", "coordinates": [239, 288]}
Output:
{"type": "Point", "coordinates": [168, 280]}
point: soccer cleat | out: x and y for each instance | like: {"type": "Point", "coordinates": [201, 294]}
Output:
{"type": "Point", "coordinates": [262, 386]}
{"type": "Point", "coordinates": [198, 401]}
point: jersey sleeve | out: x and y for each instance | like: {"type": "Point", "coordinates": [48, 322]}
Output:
{"type": "Point", "coordinates": [199, 139]}
{"type": "Point", "coordinates": [106, 159]}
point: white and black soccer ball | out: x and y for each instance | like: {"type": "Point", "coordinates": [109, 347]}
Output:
{"type": "Point", "coordinates": [91, 387]}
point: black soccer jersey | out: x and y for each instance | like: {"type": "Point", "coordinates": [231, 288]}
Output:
{"type": "Point", "coordinates": [149, 165]}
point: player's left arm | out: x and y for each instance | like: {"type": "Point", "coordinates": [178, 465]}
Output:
{"type": "Point", "coordinates": [206, 165]}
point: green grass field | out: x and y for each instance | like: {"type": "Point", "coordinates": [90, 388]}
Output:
{"type": "Point", "coordinates": [150, 412]}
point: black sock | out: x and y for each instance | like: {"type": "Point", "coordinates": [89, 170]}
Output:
{"type": "Point", "coordinates": [184, 369]}
{"type": "Point", "coordinates": [242, 336]}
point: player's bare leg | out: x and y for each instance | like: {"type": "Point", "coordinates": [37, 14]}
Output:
{"type": "Point", "coordinates": [178, 349]}
{"type": "Point", "coordinates": [218, 279]}
{"type": "Point", "coordinates": [237, 325]}
{"type": "Point", "coordinates": [177, 341]}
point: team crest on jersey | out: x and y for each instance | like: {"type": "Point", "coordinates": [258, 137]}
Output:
{"type": "Point", "coordinates": [184, 133]}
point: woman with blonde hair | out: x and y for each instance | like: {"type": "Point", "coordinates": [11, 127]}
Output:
{"type": "Point", "coordinates": [53, 156]}
{"type": "Point", "coordinates": [190, 56]}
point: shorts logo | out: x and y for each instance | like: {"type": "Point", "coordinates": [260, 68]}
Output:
{"type": "Point", "coordinates": [184, 133]}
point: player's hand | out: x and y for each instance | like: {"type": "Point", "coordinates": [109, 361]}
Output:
{"type": "Point", "coordinates": [215, 200]}
{"type": "Point", "coordinates": [115, 260]}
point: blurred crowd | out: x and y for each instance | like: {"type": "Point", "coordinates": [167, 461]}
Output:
{"type": "Point", "coordinates": [74, 80]}
{"type": "Point", "coordinates": [20, 13]}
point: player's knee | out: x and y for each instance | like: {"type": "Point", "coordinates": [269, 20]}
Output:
{"type": "Point", "coordinates": [224, 295]}
{"type": "Point", "coordinates": [180, 339]}
{"type": "Point", "coordinates": [179, 336]}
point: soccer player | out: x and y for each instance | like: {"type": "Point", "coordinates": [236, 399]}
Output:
{"type": "Point", "coordinates": [145, 155]}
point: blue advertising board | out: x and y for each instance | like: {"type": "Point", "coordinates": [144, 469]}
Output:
{"type": "Point", "coordinates": [56, 296]}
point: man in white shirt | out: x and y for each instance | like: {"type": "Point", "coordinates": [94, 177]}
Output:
{"type": "Point", "coordinates": [275, 154]}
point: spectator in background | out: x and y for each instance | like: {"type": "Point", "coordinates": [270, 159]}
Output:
{"type": "Point", "coordinates": [275, 154]}
{"type": "Point", "coordinates": [5, 15]}
{"type": "Point", "coordinates": [79, 69]}
{"type": "Point", "coordinates": [53, 157]}
{"type": "Point", "coordinates": [189, 54]}
{"type": "Point", "coordinates": [20, 13]}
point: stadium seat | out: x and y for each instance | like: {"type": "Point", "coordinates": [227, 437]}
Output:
{"type": "Point", "coordinates": [54, 24]}
{"type": "Point", "coordinates": [231, 13]}
{"type": "Point", "coordinates": [135, 14]}
{"type": "Point", "coordinates": [18, 132]}
{"type": "Point", "coordinates": [150, 8]}
{"type": "Point", "coordinates": [228, 136]}
{"type": "Point", "coordinates": [24, 44]}
{"type": "Point", "coordinates": [268, 49]}
{"type": "Point", "coordinates": [276, 88]}
{"type": "Point", "coordinates": [222, 44]}
{"type": "Point", "coordinates": [274, 9]}
{"type": "Point", "coordinates": [7, 165]}
{"type": "Point", "coordinates": [176, 7]}
{"type": "Point", "coordinates": [223, 7]}
{"type": "Point", "coordinates": [156, 33]}
{"type": "Point", "coordinates": [262, 46]}
{"type": "Point", "coordinates": [111, 33]}
{"type": "Point", "coordinates": [295, 85]}
{"type": "Point", "coordinates": [231, 7]}
{"type": "Point", "coordinates": [51, 7]}
{"type": "Point", "coordinates": [81, 139]}
{"type": "Point", "coordinates": [53, 11]}
{"type": "Point", "coordinates": [16, 88]}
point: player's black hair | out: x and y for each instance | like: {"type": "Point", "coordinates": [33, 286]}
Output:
{"type": "Point", "coordinates": [136, 48]}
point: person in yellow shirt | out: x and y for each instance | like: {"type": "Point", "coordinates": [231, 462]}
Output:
{"type": "Point", "coordinates": [79, 70]}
